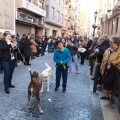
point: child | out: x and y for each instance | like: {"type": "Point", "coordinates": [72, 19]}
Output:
{"type": "Point", "coordinates": [62, 57]}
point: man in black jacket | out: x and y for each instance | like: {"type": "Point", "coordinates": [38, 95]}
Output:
{"type": "Point", "coordinates": [103, 44]}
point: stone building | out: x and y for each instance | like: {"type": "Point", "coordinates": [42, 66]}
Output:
{"type": "Point", "coordinates": [30, 17]}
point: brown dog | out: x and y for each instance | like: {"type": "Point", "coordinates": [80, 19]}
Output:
{"type": "Point", "coordinates": [34, 88]}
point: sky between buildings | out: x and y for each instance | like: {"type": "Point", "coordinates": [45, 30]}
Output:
{"type": "Point", "coordinates": [90, 6]}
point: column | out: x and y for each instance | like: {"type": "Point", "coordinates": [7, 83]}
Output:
{"type": "Point", "coordinates": [32, 30]}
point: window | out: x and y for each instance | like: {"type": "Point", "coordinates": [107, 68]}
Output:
{"type": "Point", "coordinates": [47, 11]}
{"type": "Point", "coordinates": [112, 28]}
{"type": "Point", "coordinates": [35, 2]}
{"type": "Point", "coordinates": [108, 28]}
{"type": "Point", "coordinates": [58, 15]}
{"type": "Point", "coordinates": [117, 22]}
{"type": "Point", "coordinates": [52, 12]}
{"type": "Point", "coordinates": [40, 4]}
{"type": "Point", "coordinates": [62, 3]}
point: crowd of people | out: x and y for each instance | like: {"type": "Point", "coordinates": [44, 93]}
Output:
{"type": "Point", "coordinates": [102, 53]}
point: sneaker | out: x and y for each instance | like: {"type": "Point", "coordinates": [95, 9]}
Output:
{"type": "Point", "coordinates": [94, 93]}
{"type": "Point", "coordinates": [77, 71]}
{"type": "Point", "coordinates": [69, 71]}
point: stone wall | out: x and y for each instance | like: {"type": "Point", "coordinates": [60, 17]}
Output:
{"type": "Point", "coordinates": [7, 15]}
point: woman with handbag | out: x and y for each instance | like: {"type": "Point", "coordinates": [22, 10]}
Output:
{"type": "Point", "coordinates": [111, 58]}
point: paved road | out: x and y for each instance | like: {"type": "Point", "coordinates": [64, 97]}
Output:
{"type": "Point", "coordinates": [76, 104]}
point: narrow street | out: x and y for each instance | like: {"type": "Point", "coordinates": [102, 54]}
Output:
{"type": "Point", "coordinates": [76, 104]}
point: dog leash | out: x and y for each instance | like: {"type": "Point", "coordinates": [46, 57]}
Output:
{"type": "Point", "coordinates": [58, 66]}
{"type": "Point", "coordinates": [23, 58]}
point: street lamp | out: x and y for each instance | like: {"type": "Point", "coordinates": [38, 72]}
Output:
{"type": "Point", "coordinates": [95, 15]}
{"type": "Point", "coordinates": [94, 26]}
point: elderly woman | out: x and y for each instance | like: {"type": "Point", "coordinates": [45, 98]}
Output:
{"type": "Point", "coordinates": [111, 58]}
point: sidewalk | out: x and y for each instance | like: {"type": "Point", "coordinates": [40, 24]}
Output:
{"type": "Point", "coordinates": [109, 112]}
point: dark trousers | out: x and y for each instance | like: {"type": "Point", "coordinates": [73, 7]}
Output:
{"type": "Point", "coordinates": [91, 67]}
{"type": "Point", "coordinates": [96, 77]}
{"type": "Point", "coordinates": [8, 68]}
{"type": "Point", "coordinates": [27, 60]}
{"type": "Point", "coordinates": [82, 57]}
{"type": "Point", "coordinates": [60, 71]}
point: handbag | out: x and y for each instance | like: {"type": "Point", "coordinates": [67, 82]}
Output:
{"type": "Point", "coordinates": [107, 77]}
{"type": "Point", "coordinates": [92, 57]}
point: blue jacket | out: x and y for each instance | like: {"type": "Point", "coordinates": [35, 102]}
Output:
{"type": "Point", "coordinates": [62, 56]}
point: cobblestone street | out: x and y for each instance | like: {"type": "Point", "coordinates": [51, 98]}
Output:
{"type": "Point", "coordinates": [76, 104]}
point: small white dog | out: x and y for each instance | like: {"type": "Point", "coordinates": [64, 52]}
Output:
{"type": "Point", "coordinates": [46, 75]}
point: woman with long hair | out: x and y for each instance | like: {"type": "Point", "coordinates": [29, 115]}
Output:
{"type": "Point", "coordinates": [73, 48]}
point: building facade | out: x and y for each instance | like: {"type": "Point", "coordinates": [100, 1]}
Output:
{"type": "Point", "coordinates": [30, 17]}
{"type": "Point", "coordinates": [109, 18]}
{"type": "Point", "coordinates": [70, 16]}
{"type": "Point", "coordinates": [7, 15]}
{"type": "Point", "coordinates": [54, 20]}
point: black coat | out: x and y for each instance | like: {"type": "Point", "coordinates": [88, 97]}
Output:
{"type": "Point", "coordinates": [102, 48]}
{"type": "Point", "coordinates": [27, 49]}
{"type": "Point", "coordinates": [5, 51]}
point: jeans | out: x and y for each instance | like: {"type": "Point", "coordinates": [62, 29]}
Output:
{"type": "Point", "coordinates": [60, 71]}
{"type": "Point", "coordinates": [74, 57]}
{"type": "Point", "coordinates": [96, 77]}
{"type": "Point", "coordinates": [91, 67]}
{"type": "Point", "coordinates": [8, 68]}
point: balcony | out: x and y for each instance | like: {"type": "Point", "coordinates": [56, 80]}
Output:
{"type": "Point", "coordinates": [54, 22]}
{"type": "Point", "coordinates": [27, 19]}
{"type": "Point", "coordinates": [23, 4]}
